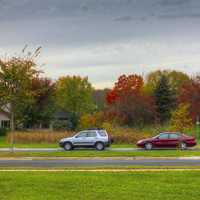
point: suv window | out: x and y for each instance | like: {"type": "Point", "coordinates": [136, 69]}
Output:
{"type": "Point", "coordinates": [91, 134]}
{"type": "Point", "coordinates": [163, 136]}
{"type": "Point", "coordinates": [102, 133]}
{"type": "Point", "coordinates": [82, 134]}
{"type": "Point", "coordinates": [173, 136]}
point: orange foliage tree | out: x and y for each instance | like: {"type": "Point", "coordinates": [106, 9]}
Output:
{"type": "Point", "coordinates": [190, 94]}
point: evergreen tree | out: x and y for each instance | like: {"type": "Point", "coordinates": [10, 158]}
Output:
{"type": "Point", "coordinates": [164, 99]}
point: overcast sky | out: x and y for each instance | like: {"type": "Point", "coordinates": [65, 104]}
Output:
{"type": "Point", "coordinates": [102, 39]}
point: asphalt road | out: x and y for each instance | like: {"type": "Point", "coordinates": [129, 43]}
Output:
{"type": "Point", "coordinates": [98, 162]}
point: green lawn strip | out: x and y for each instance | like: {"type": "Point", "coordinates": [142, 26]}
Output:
{"type": "Point", "coordinates": [100, 185]}
{"type": "Point", "coordinates": [55, 145]}
{"type": "Point", "coordinates": [114, 167]}
{"type": "Point", "coordinates": [94, 153]}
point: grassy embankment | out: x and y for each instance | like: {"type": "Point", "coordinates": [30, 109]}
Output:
{"type": "Point", "coordinates": [100, 185]}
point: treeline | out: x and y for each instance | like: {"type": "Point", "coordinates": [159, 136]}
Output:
{"type": "Point", "coordinates": [71, 102]}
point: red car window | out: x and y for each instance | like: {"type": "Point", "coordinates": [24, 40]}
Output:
{"type": "Point", "coordinates": [173, 136]}
{"type": "Point", "coordinates": [163, 136]}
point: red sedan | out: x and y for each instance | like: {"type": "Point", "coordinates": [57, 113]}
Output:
{"type": "Point", "coordinates": [168, 140]}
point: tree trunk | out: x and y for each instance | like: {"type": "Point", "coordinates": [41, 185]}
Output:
{"type": "Point", "coordinates": [12, 122]}
{"type": "Point", "coordinates": [12, 129]}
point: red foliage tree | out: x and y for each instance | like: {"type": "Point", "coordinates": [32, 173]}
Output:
{"type": "Point", "coordinates": [190, 93]}
{"type": "Point", "coordinates": [127, 100]}
{"type": "Point", "coordinates": [126, 85]}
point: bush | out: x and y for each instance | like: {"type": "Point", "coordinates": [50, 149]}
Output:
{"type": "Point", "coordinates": [3, 131]}
{"type": "Point", "coordinates": [91, 120]}
{"type": "Point", "coordinates": [38, 137]}
{"type": "Point", "coordinates": [126, 135]}
{"type": "Point", "coordinates": [87, 121]}
{"type": "Point", "coordinates": [181, 120]}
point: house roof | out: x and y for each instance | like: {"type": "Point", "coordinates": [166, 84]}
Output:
{"type": "Point", "coordinates": [5, 113]}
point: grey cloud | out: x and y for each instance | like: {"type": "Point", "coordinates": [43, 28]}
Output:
{"type": "Point", "coordinates": [110, 25]}
{"type": "Point", "coordinates": [180, 16]}
{"type": "Point", "coordinates": [123, 19]}
{"type": "Point", "coordinates": [174, 2]}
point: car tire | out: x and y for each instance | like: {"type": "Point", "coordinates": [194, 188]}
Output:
{"type": "Point", "coordinates": [68, 146]}
{"type": "Point", "coordinates": [183, 146]}
{"type": "Point", "coordinates": [148, 146]}
{"type": "Point", "coordinates": [99, 146]}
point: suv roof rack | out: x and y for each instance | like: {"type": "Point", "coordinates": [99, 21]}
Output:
{"type": "Point", "coordinates": [95, 129]}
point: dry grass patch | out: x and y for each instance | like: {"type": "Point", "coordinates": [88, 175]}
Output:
{"type": "Point", "coordinates": [38, 136]}
{"type": "Point", "coordinates": [119, 135]}
{"type": "Point", "coordinates": [127, 135]}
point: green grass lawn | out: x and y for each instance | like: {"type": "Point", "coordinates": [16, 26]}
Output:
{"type": "Point", "coordinates": [106, 153]}
{"type": "Point", "coordinates": [99, 185]}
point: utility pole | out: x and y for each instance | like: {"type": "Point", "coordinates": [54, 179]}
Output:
{"type": "Point", "coordinates": [197, 126]}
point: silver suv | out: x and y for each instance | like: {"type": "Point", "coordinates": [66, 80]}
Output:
{"type": "Point", "coordinates": [97, 138]}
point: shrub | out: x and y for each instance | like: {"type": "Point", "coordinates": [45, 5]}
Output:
{"type": "Point", "coordinates": [126, 135]}
{"type": "Point", "coordinates": [181, 120]}
{"type": "Point", "coordinates": [3, 131]}
{"type": "Point", "coordinates": [91, 120]}
{"type": "Point", "coordinates": [108, 127]}
{"type": "Point", "coordinates": [87, 121]}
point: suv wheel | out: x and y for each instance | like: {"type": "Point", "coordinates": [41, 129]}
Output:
{"type": "Point", "coordinates": [148, 146]}
{"type": "Point", "coordinates": [99, 146]}
{"type": "Point", "coordinates": [68, 146]}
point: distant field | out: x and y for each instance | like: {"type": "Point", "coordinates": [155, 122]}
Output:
{"type": "Point", "coordinates": [99, 185]}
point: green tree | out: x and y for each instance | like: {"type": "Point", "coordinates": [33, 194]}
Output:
{"type": "Point", "coordinates": [16, 75]}
{"type": "Point", "coordinates": [164, 99]}
{"type": "Point", "coordinates": [175, 79]}
{"type": "Point", "coordinates": [74, 95]}
{"type": "Point", "coordinates": [181, 120]}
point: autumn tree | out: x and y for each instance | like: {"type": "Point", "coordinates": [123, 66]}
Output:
{"type": "Point", "coordinates": [127, 100]}
{"type": "Point", "coordinates": [164, 99]}
{"type": "Point", "coordinates": [40, 112]}
{"type": "Point", "coordinates": [180, 119]}
{"type": "Point", "coordinates": [16, 76]}
{"type": "Point", "coordinates": [74, 95]}
{"type": "Point", "coordinates": [190, 94]}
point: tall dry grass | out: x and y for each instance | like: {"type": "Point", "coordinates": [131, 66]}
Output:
{"type": "Point", "coordinates": [119, 135]}
{"type": "Point", "coordinates": [38, 136]}
{"type": "Point", "coordinates": [127, 135]}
